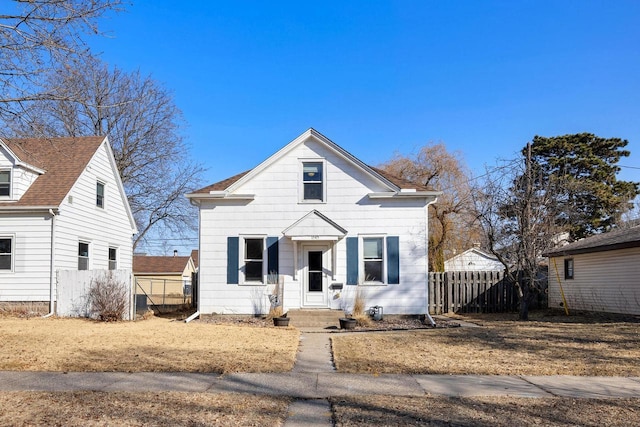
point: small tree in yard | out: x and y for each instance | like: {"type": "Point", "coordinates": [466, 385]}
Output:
{"type": "Point", "coordinates": [108, 298]}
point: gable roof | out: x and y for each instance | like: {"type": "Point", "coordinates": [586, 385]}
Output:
{"type": "Point", "coordinates": [616, 239]}
{"type": "Point", "coordinates": [476, 251]}
{"type": "Point", "coordinates": [144, 264]}
{"type": "Point", "coordinates": [61, 159]}
{"type": "Point", "coordinates": [392, 183]}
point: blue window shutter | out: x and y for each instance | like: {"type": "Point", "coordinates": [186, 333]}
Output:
{"type": "Point", "coordinates": [393, 260]}
{"type": "Point", "coordinates": [233, 244]}
{"type": "Point", "coordinates": [272, 255]}
{"type": "Point", "coordinates": [352, 260]}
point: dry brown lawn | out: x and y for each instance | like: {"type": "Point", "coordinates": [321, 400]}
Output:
{"type": "Point", "coordinates": [140, 409]}
{"type": "Point", "coordinates": [484, 411]}
{"type": "Point", "coordinates": [153, 345]}
{"type": "Point", "coordinates": [498, 347]}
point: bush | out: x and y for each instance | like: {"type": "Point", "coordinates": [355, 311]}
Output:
{"type": "Point", "coordinates": [108, 298]}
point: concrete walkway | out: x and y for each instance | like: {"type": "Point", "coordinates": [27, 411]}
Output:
{"type": "Point", "coordinates": [323, 385]}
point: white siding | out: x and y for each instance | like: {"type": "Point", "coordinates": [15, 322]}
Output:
{"type": "Point", "coordinates": [81, 220]}
{"type": "Point", "coordinates": [603, 281]}
{"type": "Point", "coordinates": [30, 279]}
{"type": "Point", "coordinates": [276, 206]}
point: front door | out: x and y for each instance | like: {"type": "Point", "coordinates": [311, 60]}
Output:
{"type": "Point", "coordinates": [315, 276]}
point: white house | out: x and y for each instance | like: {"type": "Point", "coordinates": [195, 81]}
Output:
{"type": "Point", "coordinates": [598, 273]}
{"type": "Point", "coordinates": [473, 259]}
{"type": "Point", "coordinates": [322, 224]}
{"type": "Point", "coordinates": [62, 207]}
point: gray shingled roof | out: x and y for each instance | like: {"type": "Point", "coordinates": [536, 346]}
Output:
{"type": "Point", "coordinates": [616, 239]}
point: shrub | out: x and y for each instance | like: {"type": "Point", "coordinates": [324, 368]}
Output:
{"type": "Point", "coordinates": [108, 298]}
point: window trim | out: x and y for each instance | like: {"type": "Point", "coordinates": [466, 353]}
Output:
{"type": "Point", "coordinates": [361, 260]}
{"type": "Point", "coordinates": [88, 257]}
{"type": "Point", "coordinates": [301, 181]}
{"type": "Point", "coordinates": [241, 256]}
{"type": "Point", "coordinates": [109, 260]}
{"type": "Point", "coordinates": [11, 237]}
{"type": "Point", "coordinates": [104, 194]}
{"type": "Point", "coordinates": [10, 195]}
{"type": "Point", "coordinates": [569, 269]}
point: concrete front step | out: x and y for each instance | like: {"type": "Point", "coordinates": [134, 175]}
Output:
{"type": "Point", "coordinates": [319, 318]}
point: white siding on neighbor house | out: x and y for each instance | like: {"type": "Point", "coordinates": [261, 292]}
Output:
{"type": "Point", "coordinates": [81, 220]}
{"type": "Point", "coordinates": [277, 206]}
{"type": "Point", "coordinates": [30, 278]}
{"type": "Point", "coordinates": [605, 281]}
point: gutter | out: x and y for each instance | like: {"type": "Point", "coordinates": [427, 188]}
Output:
{"type": "Point", "coordinates": [52, 266]}
{"type": "Point", "coordinates": [433, 322]}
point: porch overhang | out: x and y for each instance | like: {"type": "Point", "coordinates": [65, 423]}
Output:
{"type": "Point", "coordinates": [314, 226]}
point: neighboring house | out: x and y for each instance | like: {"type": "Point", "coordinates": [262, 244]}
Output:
{"type": "Point", "coordinates": [168, 275]}
{"type": "Point", "coordinates": [474, 259]}
{"type": "Point", "coordinates": [598, 273]}
{"type": "Point", "coordinates": [195, 257]}
{"type": "Point", "coordinates": [62, 207]}
{"type": "Point", "coordinates": [320, 223]}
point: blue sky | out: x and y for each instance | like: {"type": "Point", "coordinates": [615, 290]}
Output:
{"type": "Point", "coordinates": [378, 77]}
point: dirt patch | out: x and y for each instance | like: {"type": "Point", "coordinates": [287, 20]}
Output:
{"type": "Point", "coordinates": [498, 347]}
{"type": "Point", "coordinates": [487, 411]}
{"type": "Point", "coordinates": [156, 344]}
{"type": "Point", "coordinates": [140, 409]}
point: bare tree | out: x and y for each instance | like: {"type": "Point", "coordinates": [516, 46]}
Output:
{"type": "Point", "coordinates": [522, 219]}
{"type": "Point", "coordinates": [144, 127]}
{"type": "Point", "coordinates": [452, 224]}
{"type": "Point", "coordinates": [38, 35]}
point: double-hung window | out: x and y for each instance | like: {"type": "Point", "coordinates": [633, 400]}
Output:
{"type": "Point", "coordinates": [313, 181]}
{"type": "Point", "coordinates": [6, 253]}
{"type": "Point", "coordinates": [253, 259]}
{"type": "Point", "coordinates": [373, 257]}
{"type": "Point", "coordinates": [5, 183]}
{"type": "Point", "coordinates": [99, 194]}
{"type": "Point", "coordinates": [113, 259]}
{"type": "Point", "coordinates": [83, 256]}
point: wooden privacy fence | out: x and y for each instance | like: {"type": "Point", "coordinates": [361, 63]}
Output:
{"type": "Point", "coordinates": [471, 292]}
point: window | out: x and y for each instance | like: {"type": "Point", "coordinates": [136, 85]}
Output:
{"type": "Point", "coordinates": [568, 268]}
{"type": "Point", "coordinates": [373, 254]}
{"type": "Point", "coordinates": [253, 259]}
{"type": "Point", "coordinates": [99, 194]}
{"type": "Point", "coordinates": [6, 253]}
{"type": "Point", "coordinates": [5, 183]}
{"type": "Point", "coordinates": [312, 181]}
{"type": "Point", "coordinates": [113, 258]}
{"type": "Point", "coordinates": [83, 256]}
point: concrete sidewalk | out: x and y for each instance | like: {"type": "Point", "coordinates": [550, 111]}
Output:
{"type": "Point", "coordinates": [310, 385]}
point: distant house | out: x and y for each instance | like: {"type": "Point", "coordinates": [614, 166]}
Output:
{"type": "Point", "coordinates": [474, 259]}
{"type": "Point", "coordinates": [318, 224]}
{"type": "Point", "coordinates": [62, 207]}
{"type": "Point", "coordinates": [169, 275]}
{"type": "Point", "coordinates": [598, 273]}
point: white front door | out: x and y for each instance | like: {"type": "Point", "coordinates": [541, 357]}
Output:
{"type": "Point", "coordinates": [315, 274]}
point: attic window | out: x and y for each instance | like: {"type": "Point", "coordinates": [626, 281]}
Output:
{"type": "Point", "coordinates": [313, 181]}
{"type": "Point", "coordinates": [5, 183]}
{"type": "Point", "coordinates": [99, 194]}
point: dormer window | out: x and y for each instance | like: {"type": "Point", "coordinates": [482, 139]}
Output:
{"type": "Point", "coordinates": [313, 181]}
{"type": "Point", "coordinates": [5, 183]}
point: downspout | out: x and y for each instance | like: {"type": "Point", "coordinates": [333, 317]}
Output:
{"type": "Point", "coordinates": [52, 270]}
{"type": "Point", "coordinates": [197, 313]}
{"type": "Point", "coordinates": [433, 322]}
